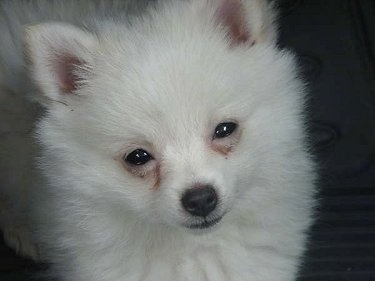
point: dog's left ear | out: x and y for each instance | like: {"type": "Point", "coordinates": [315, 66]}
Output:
{"type": "Point", "coordinates": [247, 21]}
{"type": "Point", "coordinates": [59, 57]}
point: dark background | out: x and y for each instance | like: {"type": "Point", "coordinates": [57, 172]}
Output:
{"type": "Point", "coordinates": [335, 41]}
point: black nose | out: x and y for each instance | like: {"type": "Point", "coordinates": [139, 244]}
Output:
{"type": "Point", "coordinates": [200, 201]}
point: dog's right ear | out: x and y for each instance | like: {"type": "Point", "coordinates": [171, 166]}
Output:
{"type": "Point", "coordinates": [59, 57]}
{"type": "Point", "coordinates": [248, 22]}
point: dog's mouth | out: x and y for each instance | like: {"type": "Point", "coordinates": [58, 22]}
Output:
{"type": "Point", "coordinates": [204, 224]}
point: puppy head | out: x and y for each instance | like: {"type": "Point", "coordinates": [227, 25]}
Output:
{"type": "Point", "coordinates": [174, 119]}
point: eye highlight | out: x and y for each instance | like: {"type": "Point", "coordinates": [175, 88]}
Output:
{"type": "Point", "coordinates": [137, 157]}
{"type": "Point", "coordinates": [224, 129]}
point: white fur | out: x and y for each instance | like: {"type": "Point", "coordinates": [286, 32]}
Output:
{"type": "Point", "coordinates": [163, 83]}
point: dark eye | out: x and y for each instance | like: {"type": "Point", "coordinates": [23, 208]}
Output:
{"type": "Point", "coordinates": [224, 129]}
{"type": "Point", "coordinates": [138, 157]}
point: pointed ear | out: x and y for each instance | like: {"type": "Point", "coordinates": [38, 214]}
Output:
{"type": "Point", "coordinates": [59, 57]}
{"type": "Point", "coordinates": [247, 21]}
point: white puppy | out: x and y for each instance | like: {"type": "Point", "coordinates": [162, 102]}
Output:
{"type": "Point", "coordinates": [172, 143]}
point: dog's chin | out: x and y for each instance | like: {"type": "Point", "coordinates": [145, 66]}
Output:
{"type": "Point", "coordinates": [204, 226]}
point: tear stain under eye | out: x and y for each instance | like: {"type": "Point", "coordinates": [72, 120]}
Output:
{"type": "Point", "coordinates": [226, 149]}
{"type": "Point", "coordinates": [157, 178]}
{"type": "Point", "coordinates": [222, 149]}
{"type": "Point", "coordinates": [147, 176]}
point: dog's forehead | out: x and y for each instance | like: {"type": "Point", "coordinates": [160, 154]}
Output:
{"type": "Point", "coordinates": [151, 108]}
{"type": "Point", "coordinates": [165, 86]}
{"type": "Point", "coordinates": [174, 83]}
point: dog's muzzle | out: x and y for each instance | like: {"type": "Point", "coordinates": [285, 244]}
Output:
{"type": "Point", "coordinates": [200, 201]}
{"type": "Point", "coordinates": [204, 224]}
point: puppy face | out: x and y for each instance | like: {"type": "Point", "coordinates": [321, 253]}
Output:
{"type": "Point", "coordinates": [175, 124]}
{"type": "Point", "coordinates": [166, 146]}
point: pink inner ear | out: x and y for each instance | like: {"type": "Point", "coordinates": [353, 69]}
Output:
{"type": "Point", "coordinates": [231, 13]}
{"type": "Point", "coordinates": [68, 79]}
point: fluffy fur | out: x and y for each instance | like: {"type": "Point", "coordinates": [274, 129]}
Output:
{"type": "Point", "coordinates": [161, 80]}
